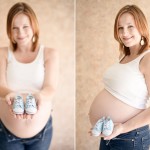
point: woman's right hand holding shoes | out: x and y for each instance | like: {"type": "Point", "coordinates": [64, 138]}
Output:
{"type": "Point", "coordinates": [22, 106]}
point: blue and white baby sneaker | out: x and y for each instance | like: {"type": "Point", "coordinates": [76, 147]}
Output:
{"type": "Point", "coordinates": [107, 127]}
{"type": "Point", "coordinates": [30, 105]}
{"type": "Point", "coordinates": [18, 105]}
{"type": "Point", "coordinates": [97, 129]}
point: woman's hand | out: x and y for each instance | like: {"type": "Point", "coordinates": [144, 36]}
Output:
{"type": "Point", "coordinates": [9, 98]}
{"type": "Point", "coordinates": [38, 102]}
{"type": "Point", "coordinates": [118, 129]}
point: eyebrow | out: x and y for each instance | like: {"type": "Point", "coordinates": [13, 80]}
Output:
{"type": "Point", "coordinates": [23, 25]}
{"type": "Point", "coordinates": [127, 24]}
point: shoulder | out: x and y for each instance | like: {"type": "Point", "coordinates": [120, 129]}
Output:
{"type": "Point", "coordinates": [145, 63]}
{"type": "Point", "coordinates": [50, 53]}
{"type": "Point", "coordinates": [3, 52]}
{"type": "Point", "coordinates": [146, 57]}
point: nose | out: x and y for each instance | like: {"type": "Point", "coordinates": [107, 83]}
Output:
{"type": "Point", "coordinates": [125, 32]}
{"type": "Point", "coordinates": [20, 31]}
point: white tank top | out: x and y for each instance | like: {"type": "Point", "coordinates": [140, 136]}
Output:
{"type": "Point", "coordinates": [127, 83]}
{"type": "Point", "coordinates": [25, 77]}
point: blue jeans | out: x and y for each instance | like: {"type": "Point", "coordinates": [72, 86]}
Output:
{"type": "Point", "coordinates": [138, 139]}
{"type": "Point", "coordinates": [41, 141]}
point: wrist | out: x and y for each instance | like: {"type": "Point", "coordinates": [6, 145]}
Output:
{"type": "Point", "coordinates": [38, 95]}
{"type": "Point", "coordinates": [124, 128]}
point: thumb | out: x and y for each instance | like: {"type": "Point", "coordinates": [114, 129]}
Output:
{"type": "Point", "coordinates": [8, 100]}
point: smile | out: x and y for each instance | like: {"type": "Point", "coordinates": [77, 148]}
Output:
{"type": "Point", "coordinates": [126, 39]}
{"type": "Point", "coordinates": [22, 38]}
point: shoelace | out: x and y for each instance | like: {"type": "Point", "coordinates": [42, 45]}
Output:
{"type": "Point", "coordinates": [30, 103]}
{"type": "Point", "coordinates": [18, 103]}
{"type": "Point", "coordinates": [97, 125]}
{"type": "Point", "coordinates": [107, 125]}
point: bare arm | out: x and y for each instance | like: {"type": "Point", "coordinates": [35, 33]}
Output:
{"type": "Point", "coordinates": [4, 90]}
{"type": "Point", "coordinates": [51, 75]}
{"type": "Point", "coordinates": [6, 94]}
{"type": "Point", "coordinates": [144, 117]}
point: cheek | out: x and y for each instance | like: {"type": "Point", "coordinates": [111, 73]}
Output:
{"type": "Point", "coordinates": [120, 33]}
{"type": "Point", "coordinates": [30, 32]}
{"type": "Point", "coordinates": [14, 34]}
{"type": "Point", "coordinates": [138, 37]}
{"type": "Point", "coordinates": [136, 33]}
{"type": "Point", "coordinates": [120, 36]}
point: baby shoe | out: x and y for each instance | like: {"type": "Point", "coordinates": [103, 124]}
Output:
{"type": "Point", "coordinates": [97, 129]}
{"type": "Point", "coordinates": [107, 127]}
{"type": "Point", "coordinates": [30, 105]}
{"type": "Point", "coordinates": [18, 105]}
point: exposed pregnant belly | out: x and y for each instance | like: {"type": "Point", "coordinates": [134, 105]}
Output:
{"type": "Point", "coordinates": [21, 127]}
{"type": "Point", "coordinates": [105, 104]}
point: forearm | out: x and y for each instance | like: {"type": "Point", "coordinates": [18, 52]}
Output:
{"type": "Point", "coordinates": [4, 91]}
{"type": "Point", "coordinates": [138, 121]}
{"type": "Point", "coordinates": [46, 93]}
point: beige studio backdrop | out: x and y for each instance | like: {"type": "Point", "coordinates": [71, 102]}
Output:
{"type": "Point", "coordinates": [96, 50]}
{"type": "Point", "coordinates": [56, 20]}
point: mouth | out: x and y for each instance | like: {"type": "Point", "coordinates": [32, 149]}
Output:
{"type": "Point", "coordinates": [127, 39]}
{"type": "Point", "coordinates": [21, 38]}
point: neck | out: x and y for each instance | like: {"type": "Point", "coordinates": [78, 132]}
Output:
{"type": "Point", "coordinates": [134, 50]}
{"type": "Point", "coordinates": [26, 48]}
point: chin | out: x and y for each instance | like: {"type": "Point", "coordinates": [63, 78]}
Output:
{"type": "Point", "coordinates": [129, 45]}
{"type": "Point", "coordinates": [23, 43]}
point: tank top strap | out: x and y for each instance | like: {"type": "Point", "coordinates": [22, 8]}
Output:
{"type": "Point", "coordinates": [121, 58]}
{"type": "Point", "coordinates": [10, 56]}
{"type": "Point", "coordinates": [41, 53]}
{"type": "Point", "coordinates": [142, 55]}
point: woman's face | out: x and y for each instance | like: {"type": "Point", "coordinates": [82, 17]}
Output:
{"type": "Point", "coordinates": [22, 31]}
{"type": "Point", "coordinates": [128, 32]}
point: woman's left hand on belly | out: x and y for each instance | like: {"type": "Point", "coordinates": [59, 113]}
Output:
{"type": "Point", "coordinates": [118, 129]}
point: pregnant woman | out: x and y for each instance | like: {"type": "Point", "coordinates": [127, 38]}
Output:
{"type": "Point", "coordinates": [127, 86]}
{"type": "Point", "coordinates": [26, 67]}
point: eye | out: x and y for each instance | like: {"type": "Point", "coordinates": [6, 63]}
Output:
{"type": "Point", "coordinates": [25, 27]}
{"type": "Point", "coordinates": [120, 28]}
{"type": "Point", "coordinates": [130, 26]}
{"type": "Point", "coordinates": [14, 28]}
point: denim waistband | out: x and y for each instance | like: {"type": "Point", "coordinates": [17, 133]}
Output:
{"type": "Point", "coordinates": [138, 130]}
{"type": "Point", "coordinates": [142, 128]}
{"type": "Point", "coordinates": [134, 132]}
{"type": "Point", "coordinates": [137, 139]}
